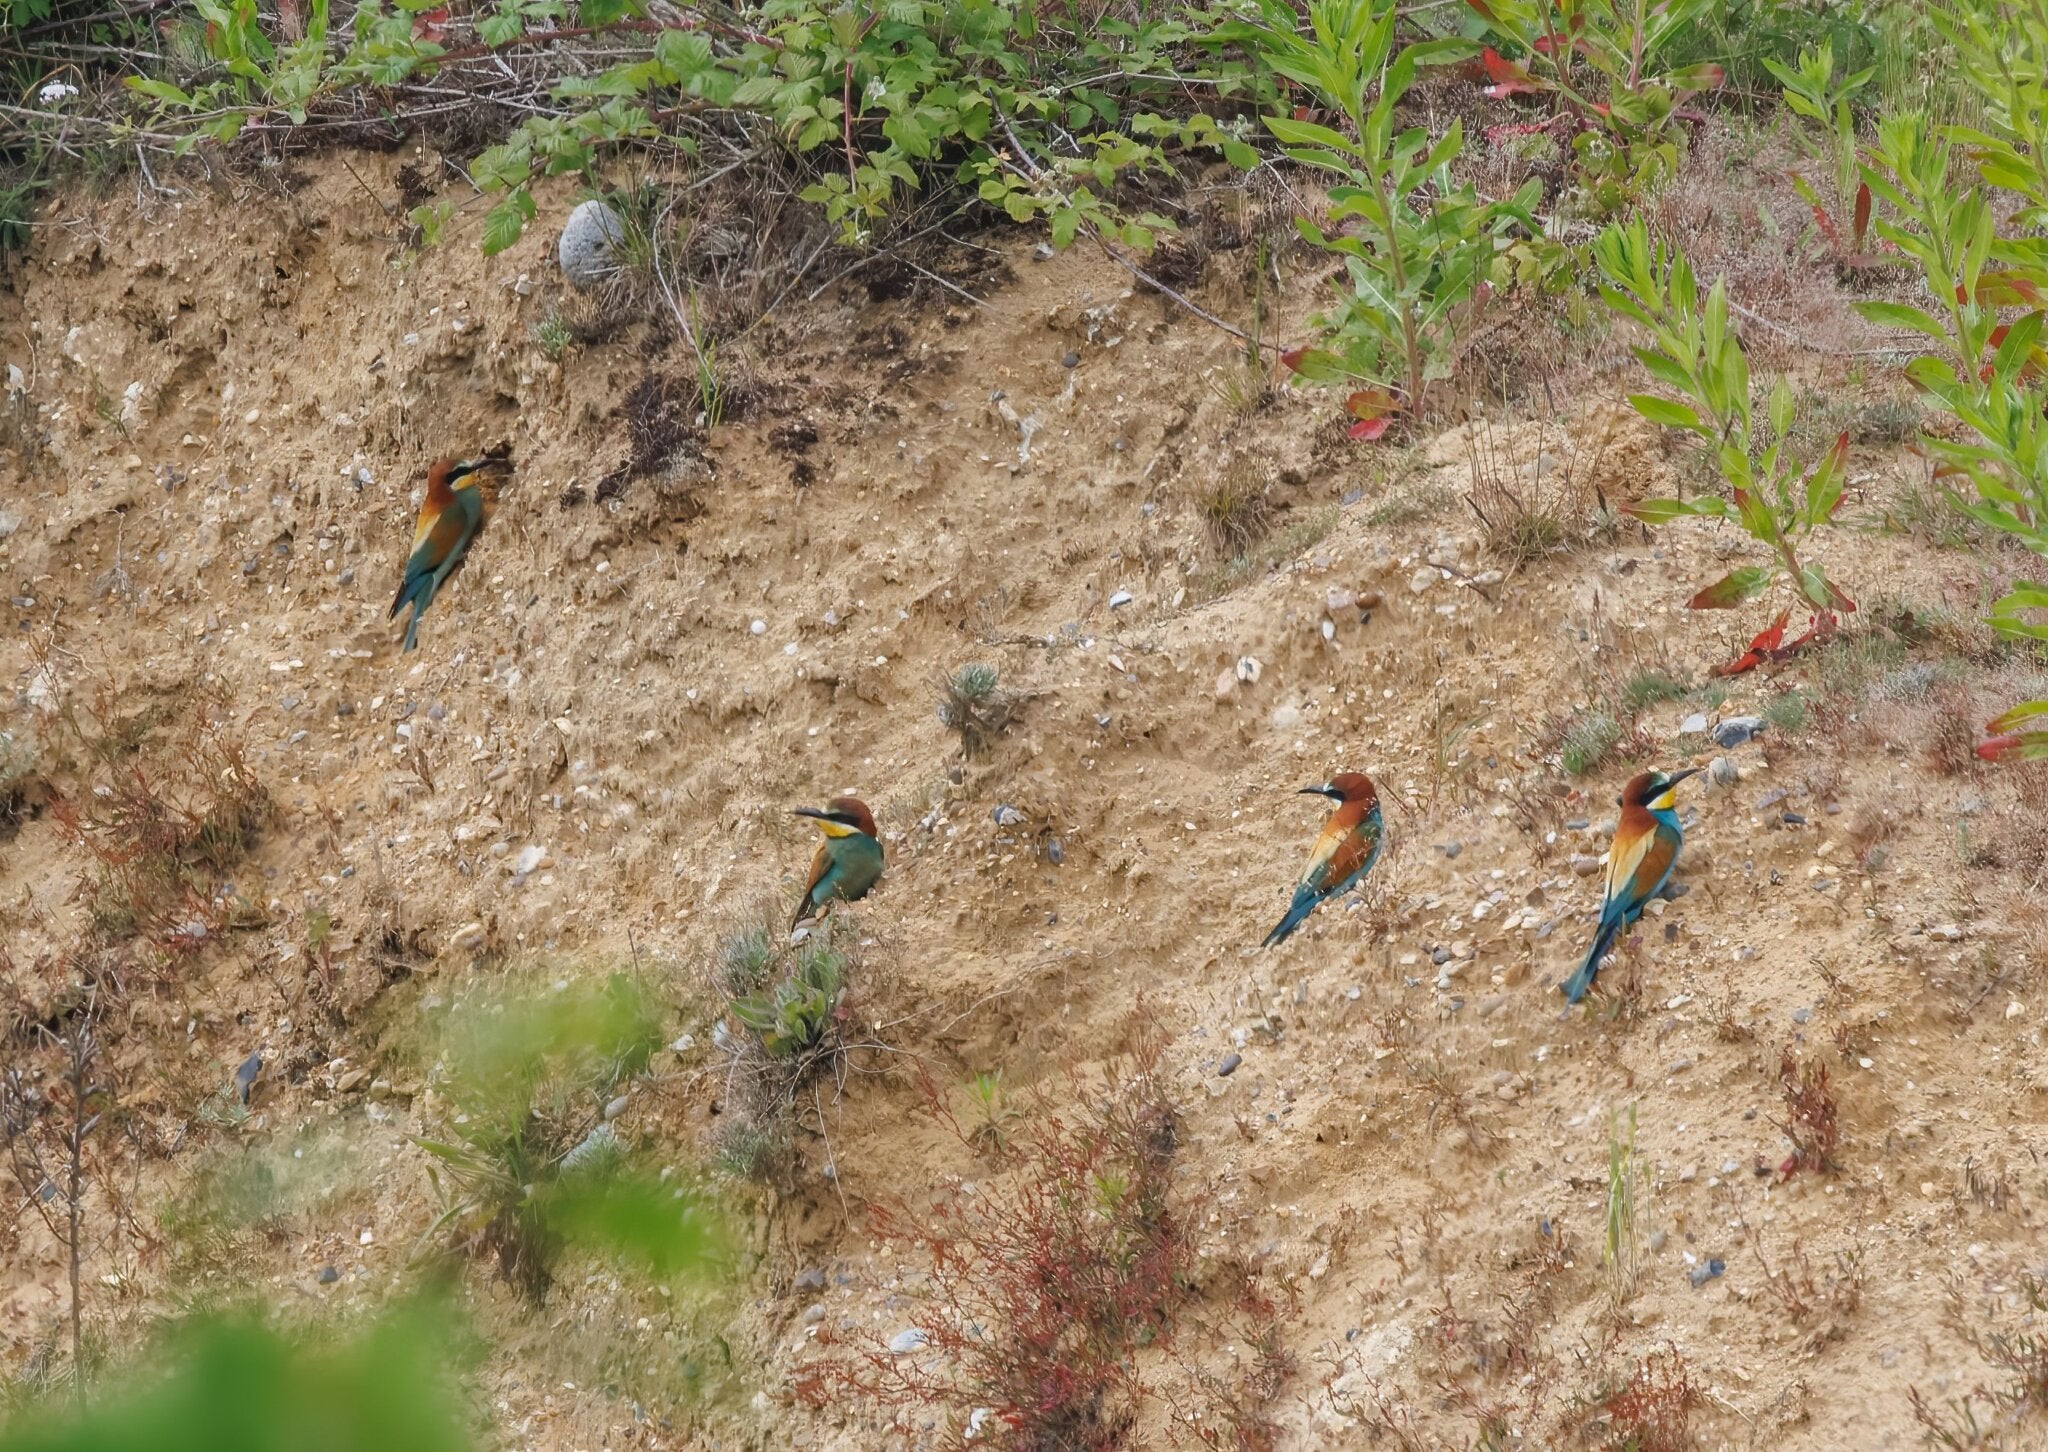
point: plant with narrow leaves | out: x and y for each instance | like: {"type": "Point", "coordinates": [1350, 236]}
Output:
{"type": "Point", "coordinates": [1695, 354]}
{"type": "Point", "coordinates": [1421, 263]}
{"type": "Point", "coordinates": [1814, 91]}
{"type": "Point", "coordinates": [1989, 367]}
{"type": "Point", "coordinates": [1605, 63]}
{"type": "Point", "coordinates": [2001, 48]}
{"type": "Point", "coordinates": [795, 1018]}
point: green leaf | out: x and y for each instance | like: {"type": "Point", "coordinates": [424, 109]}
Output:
{"type": "Point", "coordinates": [1734, 588]}
{"type": "Point", "coordinates": [1663, 511]}
{"type": "Point", "coordinates": [505, 221]}
{"type": "Point", "coordinates": [159, 90]}
{"type": "Point", "coordinates": [1668, 414]}
{"type": "Point", "coordinates": [1903, 315]}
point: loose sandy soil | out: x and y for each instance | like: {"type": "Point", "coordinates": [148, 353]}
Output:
{"type": "Point", "coordinates": [594, 751]}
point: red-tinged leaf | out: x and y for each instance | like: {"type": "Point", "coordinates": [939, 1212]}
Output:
{"type": "Point", "coordinates": [1291, 359]}
{"type": "Point", "coordinates": [1301, 113]}
{"type": "Point", "coordinates": [2000, 747]}
{"type": "Point", "coordinates": [1368, 429]}
{"type": "Point", "coordinates": [1732, 589]}
{"type": "Point", "coordinates": [1499, 67]}
{"type": "Point", "coordinates": [1785, 1171]}
{"type": "Point", "coordinates": [2007, 289]}
{"type": "Point", "coordinates": [2018, 716]}
{"type": "Point", "coordinates": [1371, 403]}
{"type": "Point", "coordinates": [1704, 77]}
{"type": "Point", "coordinates": [1842, 602]}
{"type": "Point", "coordinates": [1508, 78]}
{"type": "Point", "coordinates": [1862, 214]}
{"type": "Point", "coordinates": [1749, 660]}
{"type": "Point", "coordinates": [1768, 638]}
{"type": "Point", "coordinates": [430, 25]}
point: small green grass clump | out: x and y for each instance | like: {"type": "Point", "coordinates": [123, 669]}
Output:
{"type": "Point", "coordinates": [973, 705]}
{"type": "Point", "coordinates": [1587, 741]}
{"type": "Point", "coordinates": [554, 337]}
{"type": "Point", "coordinates": [1648, 688]}
{"type": "Point", "coordinates": [1786, 712]}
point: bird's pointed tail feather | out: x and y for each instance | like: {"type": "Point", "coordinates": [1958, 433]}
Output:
{"type": "Point", "coordinates": [1576, 987]}
{"type": "Point", "coordinates": [1303, 905]}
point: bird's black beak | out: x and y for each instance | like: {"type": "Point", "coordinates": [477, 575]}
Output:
{"type": "Point", "coordinates": [816, 814]}
{"type": "Point", "coordinates": [465, 468]}
{"type": "Point", "coordinates": [1678, 776]}
{"type": "Point", "coordinates": [1317, 791]}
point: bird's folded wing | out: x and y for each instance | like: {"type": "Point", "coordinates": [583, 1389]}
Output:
{"type": "Point", "coordinates": [1339, 852]}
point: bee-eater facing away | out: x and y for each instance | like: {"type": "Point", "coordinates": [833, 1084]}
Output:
{"type": "Point", "coordinates": [1346, 851]}
{"type": "Point", "coordinates": [849, 860]}
{"type": "Point", "coordinates": [1639, 863]}
{"type": "Point", "coordinates": [461, 497]}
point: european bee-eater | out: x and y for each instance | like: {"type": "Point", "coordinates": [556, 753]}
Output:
{"type": "Point", "coordinates": [849, 860]}
{"type": "Point", "coordinates": [1639, 863]}
{"type": "Point", "coordinates": [461, 498]}
{"type": "Point", "coordinates": [1346, 851]}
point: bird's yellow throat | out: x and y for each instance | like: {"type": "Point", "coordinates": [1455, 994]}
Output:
{"type": "Point", "coordinates": [836, 829]}
{"type": "Point", "coordinates": [1666, 802]}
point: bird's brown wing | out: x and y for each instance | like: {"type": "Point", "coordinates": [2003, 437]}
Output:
{"type": "Point", "coordinates": [820, 865]}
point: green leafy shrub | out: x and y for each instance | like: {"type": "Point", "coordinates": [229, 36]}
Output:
{"type": "Point", "coordinates": [1042, 113]}
{"type": "Point", "coordinates": [1415, 270]}
{"type": "Point", "coordinates": [1987, 367]}
{"type": "Point", "coordinates": [1610, 63]}
{"type": "Point", "coordinates": [1814, 91]}
{"type": "Point", "coordinates": [1696, 356]}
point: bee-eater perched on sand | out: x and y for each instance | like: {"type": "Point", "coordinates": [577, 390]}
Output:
{"type": "Point", "coordinates": [849, 860]}
{"type": "Point", "coordinates": [1346, 851]}
{"type": "Point", "coordinates": [461, 498]}
{"type": "Point", "coordinates": [1639, 863]}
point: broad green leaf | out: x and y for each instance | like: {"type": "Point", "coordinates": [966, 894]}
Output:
{"type": "Point", "coordinates": [1734, 588]}
{"type": "Point", "coordinates": [505, 221]}
{"type": "Point", "coordinates": [1666, 413]}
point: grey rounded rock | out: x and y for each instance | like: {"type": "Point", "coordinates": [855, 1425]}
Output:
{"type": "Point", "coordinates": [589, 241]}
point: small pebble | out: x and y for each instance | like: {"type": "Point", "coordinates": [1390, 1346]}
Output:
{"type": "Point", "coordinates": [1229, 1065]}
{"type": "Point", "coordinates": [328, 1275]}
{"type": "Point", "coordinates": [906, 1341]}
{"type": "Point", "coordinates": [1070, 359]}
{"type": "Point", "coordinates": [1452, 849]}
{"type": "Point", "coordinates": [1701, 1274]}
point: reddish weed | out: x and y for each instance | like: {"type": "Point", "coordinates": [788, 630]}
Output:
{"type": "Point", "coordinates": [1041, 1290]}
{"type": "Point", "coordinates": [1652, 1410]}
{"type": "Point", "coordinates": [162, 824]}
{"type": "Point", "coordinates": [1811, 1119]}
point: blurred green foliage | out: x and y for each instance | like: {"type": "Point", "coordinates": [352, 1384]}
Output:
{"type": "Point", "coordinates": [236, 1385]}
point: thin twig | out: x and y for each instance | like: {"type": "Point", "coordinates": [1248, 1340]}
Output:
{"type": "Point", "coordinates": [1812, 347]}
{"type": "Point", "coordinates": [942, 282]}
{"type": "Point", "coordinates": [1164, 291]}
